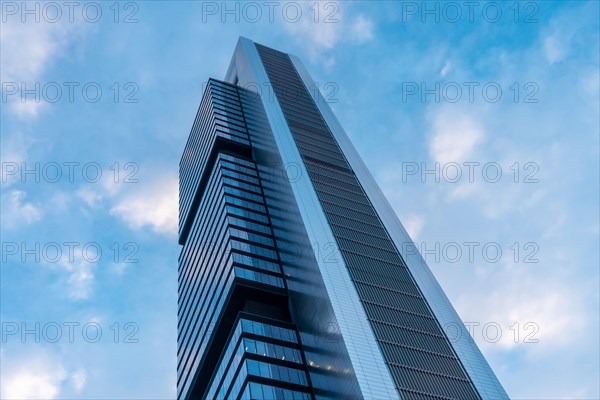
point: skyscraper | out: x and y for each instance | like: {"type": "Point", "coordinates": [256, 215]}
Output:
{"type": "Point", "coordinates": [296, 278]}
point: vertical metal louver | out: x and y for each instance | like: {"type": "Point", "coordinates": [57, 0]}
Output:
{"type": "Point", "coordinates": [420, 358]}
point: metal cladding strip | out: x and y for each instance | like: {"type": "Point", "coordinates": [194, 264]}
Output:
{"type": "Point", "coordinates": [426, 368]}
{"type": "Point", "coordinates": [367, 360]}
{"type": "Point", "coordinates": [475, 364]}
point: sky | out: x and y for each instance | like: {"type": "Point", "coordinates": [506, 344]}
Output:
{"type": "Point", "coordinates": [480, 122]}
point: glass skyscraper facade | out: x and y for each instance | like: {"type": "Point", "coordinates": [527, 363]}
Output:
{"type": "Point", "coordinates": [296, 278]}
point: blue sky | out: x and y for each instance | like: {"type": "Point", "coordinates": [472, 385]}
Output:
{"type": "Point", "coordinates": [374, 61]}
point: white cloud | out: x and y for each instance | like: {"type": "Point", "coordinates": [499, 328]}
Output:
{"type": "Point", "coordinates": [140, 205]}
{"type": "Point", "coordinates": [551, 306]}
{"type": "Point", "coordinates": [26, 108]}
{"type": "Point", "coordinates": [91, 197]}
{"type": "Point", "coordinates": [31, 47]}
{"type": "Point", "coordinates": [16, 211]}
{"type": "Point", "coordinates": [362, 29]}
{"type": "Point", "coordinates": [111, 185]}
{"type": "Point", "coordinates": [26, 384]}
{"type": "Point", "coordinates": [79, 269]}
{"type": "Point", "coordinates": [413, 225]}
{"type": "Point", "coordinates": [553, 49]}
{"type": "Point", "coordinates": [557, 43]}
{"type": "Point", "coordinates": [318, 31]}
{"type": "Point", "coordinates": [78, 378]}
{"type": "Point", "coordinates": [455, 136]}
{"type": "Point", "coordinates": [34, 372]}
{"type": "Point", "coordinates": [465, 189]}
{"type": "Point", "coordinates": [38, 375]}
{"type": "Point", "coordinates": [59, 201]}
{"type": "Point", "coordinates": [447, 67]}
{"type": "Point", "coordinates": [13, 153]}
{"type": "Point", "coordinates": [155, 206]}
{"type": "Point", "coordinates": [562, 38]}
{"type": "Point", "coordinates": [28, 49]}
{"type": "Point", "coordinates": [326, 24]}
{"type": "Point", "coordinates": [107, 188]}
{"type": "Point", "coordinates": [81, 279]}
{"type": "Point", "coordinates": [589, 83]}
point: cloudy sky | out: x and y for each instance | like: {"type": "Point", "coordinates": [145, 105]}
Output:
{"type": "Point", "coordinates": [480, 123]}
